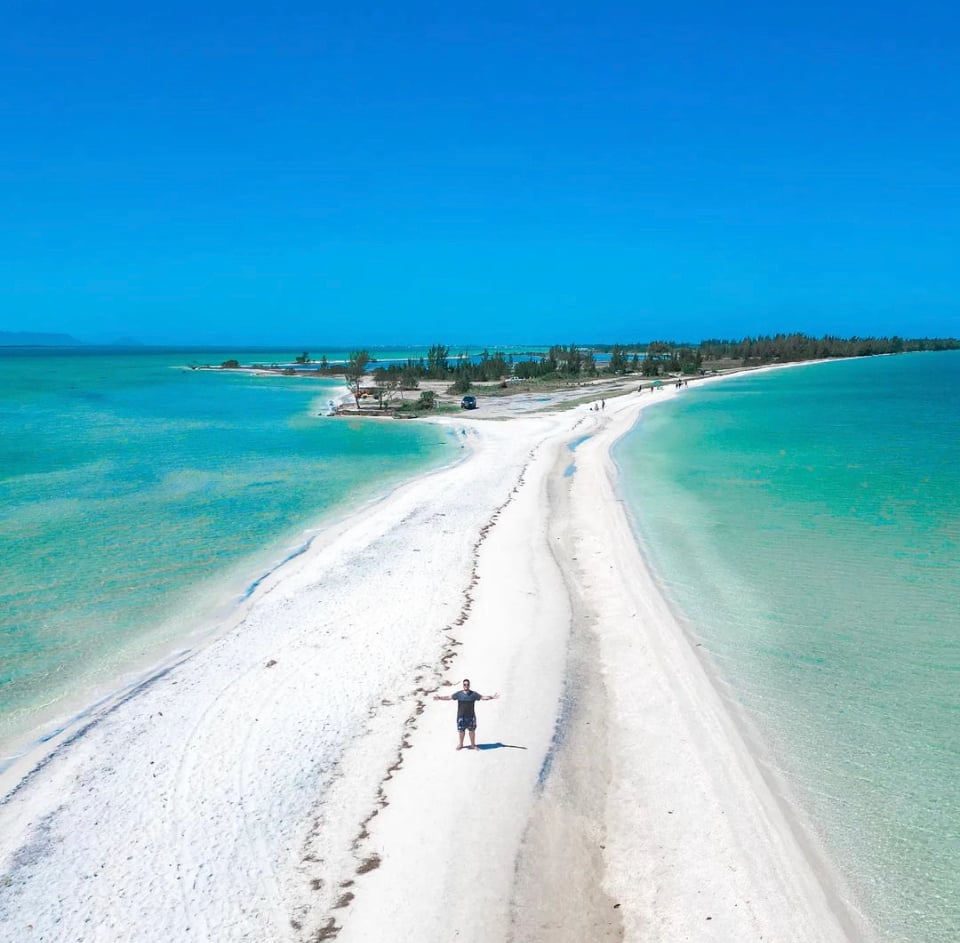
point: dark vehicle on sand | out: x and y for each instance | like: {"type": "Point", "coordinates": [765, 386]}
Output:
{"type": "Point", "coordinates": [468, 402]}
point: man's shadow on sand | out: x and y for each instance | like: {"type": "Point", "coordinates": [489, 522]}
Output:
{"type": "Point", "coordinates": [499, 746]}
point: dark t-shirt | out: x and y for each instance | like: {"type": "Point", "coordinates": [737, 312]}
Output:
{"type": "Point", "coordinates": [466, 701]}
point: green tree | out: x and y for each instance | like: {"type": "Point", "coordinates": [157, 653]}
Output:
{"type": "Point", "coordinates": [657, 353]}
{"type": "Point", "coordinates": [387, 382]}
{"type": "Point", "coordinates": [437, 360]}
{"type": "Point", "coordinates": [303, 358]}
{"type": "Point", "coordinates": [574, 360]}
{"type": "Point", "coordinates": [618, 359]}
{"type": "Point", "coordinates": [409, 379]}
{"type": "Point", "coordinates": [356, 371]}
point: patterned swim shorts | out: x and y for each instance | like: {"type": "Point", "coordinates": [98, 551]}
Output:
{"type": "Point", "coordinates": [466, 723]}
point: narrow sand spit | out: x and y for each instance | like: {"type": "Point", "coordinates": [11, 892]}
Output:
{"type": "Point", "coordinates": [294, 780]}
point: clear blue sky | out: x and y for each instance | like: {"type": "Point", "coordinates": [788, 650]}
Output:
{"type": "Point", "coordinates": [408, 172]}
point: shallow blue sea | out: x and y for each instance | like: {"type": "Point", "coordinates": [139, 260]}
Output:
{"type": "Point", "coordinates": [140, 499]}
{"type": "Point", "coordinates": [806, 525]}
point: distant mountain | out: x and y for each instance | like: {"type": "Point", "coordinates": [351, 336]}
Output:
{"type": "Point", "coordinates": [36, 339]}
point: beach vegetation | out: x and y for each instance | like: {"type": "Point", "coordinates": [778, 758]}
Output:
{"type": "Point", "coordinates": [230, 364]}
{"type": "Point", "coordinates": [561, 363]}
{"type": "Point", "coordinates": [618, 360]}
{"type": "Point", "coordinates": [791, 348]}
{"type": "Point", "coordinates": [427, 401]}
{"type": "Point", "coordinates": [355, 372]}
{"type": "Point", "coordinates": [573, 364]}
{"type": "Point", "coordinates": [663, 357]}
{"type": "Point", "coordinates": [302, 358]}
{"type": "Point", "coordinates": [409, 379]}
{"type": "Point", "coordinates": [439, 365]}
{"type": "Point", "coordinates": [437, 357]}
{"type": "Point", "coordinates": [387, 385]}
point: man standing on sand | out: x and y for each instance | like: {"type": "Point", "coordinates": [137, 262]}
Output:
{"type": "Point", "coordinates": [466, 715]}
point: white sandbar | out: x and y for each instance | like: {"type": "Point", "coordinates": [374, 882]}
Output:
{"type": "Point", "coordinates": [294, 779]}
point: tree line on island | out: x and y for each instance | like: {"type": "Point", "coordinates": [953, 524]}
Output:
{"type": "Point", "coordinates": [573, 362]}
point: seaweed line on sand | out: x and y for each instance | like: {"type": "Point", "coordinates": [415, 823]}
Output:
{"type": "Point", "coordinates": [329, 928]}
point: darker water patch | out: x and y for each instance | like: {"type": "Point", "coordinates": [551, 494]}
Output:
{"type": "Point", "coordinates": [577, 442]}
{"type": "Point", "coordinates": [252, 588]}
{"type": "Point", "coordinates": [569, 470]}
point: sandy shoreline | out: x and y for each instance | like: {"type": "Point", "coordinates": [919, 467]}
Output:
{"type": "Point", "coordinates": [294, 780]}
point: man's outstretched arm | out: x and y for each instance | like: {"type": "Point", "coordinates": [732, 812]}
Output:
{"type": "Point", "coordinates": [442, 697]}
{"type": "Point", "coordinates": [489, 697]}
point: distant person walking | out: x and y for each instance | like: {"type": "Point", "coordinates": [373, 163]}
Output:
{"type": "Point", "coordinates": [466, 714]}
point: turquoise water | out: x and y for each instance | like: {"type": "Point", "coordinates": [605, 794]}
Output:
{"type": "Point", "coordinates": [806, 523]}
{"type": "Point", "coordinates": [138, 499]}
